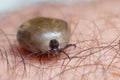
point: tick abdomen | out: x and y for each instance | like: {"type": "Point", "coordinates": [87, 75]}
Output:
{"type": "Point", "coordinates": [35, 34]}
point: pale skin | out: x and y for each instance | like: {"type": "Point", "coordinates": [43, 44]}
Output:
{"type": "Point", "coordinates": [95, 29]}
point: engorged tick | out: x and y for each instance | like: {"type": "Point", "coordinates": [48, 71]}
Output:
{"type": "Point", "coordinates": [44, 36]}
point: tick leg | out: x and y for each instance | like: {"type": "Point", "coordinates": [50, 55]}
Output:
{"type": "Point", "coordinates": [49, 56]}
{"type": "Point", "coordinates": [40, 59]}
{"type": "Point", "coordinates": [32, 54]}
{"type": "Point", "coordinates": [57, 57]}
{"type": "Point", "coordinates": [69, 45]}
{"type": "Point", "coordinates": [66, 55]}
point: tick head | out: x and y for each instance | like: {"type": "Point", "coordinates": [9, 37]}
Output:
{"type": "Point", "coordinates": [54, 46]}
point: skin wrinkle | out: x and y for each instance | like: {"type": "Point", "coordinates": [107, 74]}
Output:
{"type": "Point", "coordinates": [95, 30]}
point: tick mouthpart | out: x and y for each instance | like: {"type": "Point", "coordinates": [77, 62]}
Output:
{"type": "Point", "coordinates": [55, 51]}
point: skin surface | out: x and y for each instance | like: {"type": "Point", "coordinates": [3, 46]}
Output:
{"type": "Point", "coordinates": [95, 28]}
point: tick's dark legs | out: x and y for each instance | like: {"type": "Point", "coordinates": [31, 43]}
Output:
{"type": "Point", "coordinates": [69, 45]}
{"type": "Point", "coordinates": [55, 51]}
{"type": "Point", "coordinates": [41, 58]}
{"type": "Point", "coordinates": [33, 54]}
{"type": "Point", "coordinates": [57, 57]}
{"type": "Point", "coordinates": [66, 55]}
{"type": "Point", "coordinates": [49, 56]}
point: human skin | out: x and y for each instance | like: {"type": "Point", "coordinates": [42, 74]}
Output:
{"type": "Point", "coordinates": [94, 29]}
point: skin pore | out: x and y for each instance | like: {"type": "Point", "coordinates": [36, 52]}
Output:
{"type": "Point", "coordinates": [94, 29]}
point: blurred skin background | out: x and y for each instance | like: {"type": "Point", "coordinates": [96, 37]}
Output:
{"type": "Point", "coordinates": [7, 6]}
{"type": "Point", "coordinates": [95, 29]}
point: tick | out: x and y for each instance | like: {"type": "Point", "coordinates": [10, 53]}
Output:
{"type": "Point", "coordinates": [45, 36]}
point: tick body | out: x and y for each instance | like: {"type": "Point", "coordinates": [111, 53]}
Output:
{"type": "Point", "coordinates": [44, 35]}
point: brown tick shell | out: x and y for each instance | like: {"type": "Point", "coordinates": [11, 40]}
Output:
{"type": "Point", "coordinates": [35, 34]}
